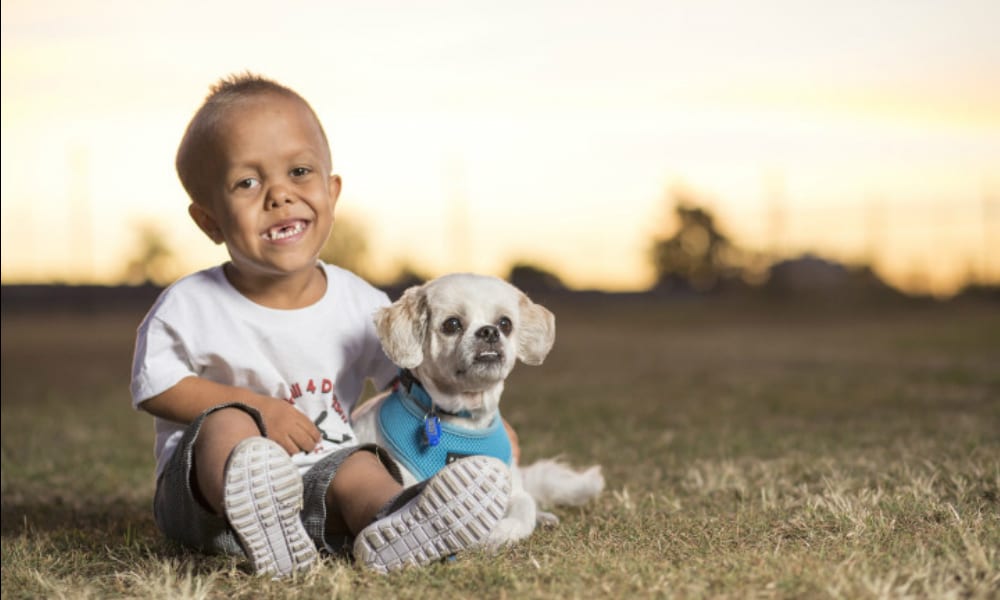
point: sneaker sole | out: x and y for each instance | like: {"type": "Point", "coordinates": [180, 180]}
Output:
{"type": "Point", "coordinates": [263, 499]}
{"type": "Point", "coordinates": [457, 510]}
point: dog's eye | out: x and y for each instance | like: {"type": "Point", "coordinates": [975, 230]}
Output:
{"type": "Point", "coordinates": [451, 326]}
{"type": "Point", "coordinates": [505, 325]}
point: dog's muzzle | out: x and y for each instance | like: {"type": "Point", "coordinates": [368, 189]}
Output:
{"type": "Point", "coordinates": [488, 349]}
{"type": "Point", "coordinates": [488, 334]}
{"type": "Point", "coordinates": [488, 356]}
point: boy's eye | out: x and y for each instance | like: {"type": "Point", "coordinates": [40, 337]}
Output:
{"type": "Point", "coordinates": [300, 171]}
{"type": "Point", "coordinates": [246, 184]}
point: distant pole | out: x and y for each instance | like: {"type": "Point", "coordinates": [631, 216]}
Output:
{"type": "Point", "coordinates": [81, 216]}
{"type": "Point", "coordinates": [876, 231]}
{"type": "Point", "coordinates": [990, 208]}
{"type": "Point", "coordinates": [457, 205]}
{"type": "Point", "coordinates": [943, 215]}
{"type": "Point", "coordinates": [774, 198]}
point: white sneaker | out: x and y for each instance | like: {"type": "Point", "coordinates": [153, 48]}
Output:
{"type": "Point", "coordinates": [454, 510]}
{"type": "Point", "coordinates": [263, 498]}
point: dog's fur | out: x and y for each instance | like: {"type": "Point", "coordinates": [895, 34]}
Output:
{"type": "Point", "coordinates": [463, 370]}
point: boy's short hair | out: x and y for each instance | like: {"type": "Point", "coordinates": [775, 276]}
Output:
{"type": "Point", "coordinates": [200, 137]}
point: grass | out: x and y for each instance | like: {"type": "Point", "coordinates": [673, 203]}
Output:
{"type": "Point", "coordinates": [760, 451]}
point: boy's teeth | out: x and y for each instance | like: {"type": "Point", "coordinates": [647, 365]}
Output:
{"type": "Point", "coordinates": [283, 231]}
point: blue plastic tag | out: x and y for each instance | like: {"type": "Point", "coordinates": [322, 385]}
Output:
{"type": "Point", "coordinates": [432, 430]}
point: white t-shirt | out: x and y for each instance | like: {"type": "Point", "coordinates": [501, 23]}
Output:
{"type": "Point", "coordinates": [317, 357]}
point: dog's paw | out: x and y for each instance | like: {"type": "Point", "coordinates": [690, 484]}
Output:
{"type": "Point", "coordinates": [546, 519]}
{"type": "Point", "coordinates": [508, 531]}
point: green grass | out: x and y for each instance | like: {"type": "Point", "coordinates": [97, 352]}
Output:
{"type": "Point", "coordinates": [751, 452]}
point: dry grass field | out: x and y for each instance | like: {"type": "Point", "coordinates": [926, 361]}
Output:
{"type": "Point", "coordinates": [766, 451]}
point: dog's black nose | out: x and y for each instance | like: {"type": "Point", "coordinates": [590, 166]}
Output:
{"type": "Point", "coordinates": [488, 333]}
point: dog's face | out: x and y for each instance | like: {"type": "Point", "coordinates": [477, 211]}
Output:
{"type": "Point", "coordinates": [463, 333]}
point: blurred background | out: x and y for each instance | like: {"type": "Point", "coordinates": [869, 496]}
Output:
{"type": "Point", "coordinates": [681, 146]}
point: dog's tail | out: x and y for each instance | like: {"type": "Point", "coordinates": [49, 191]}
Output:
{"type": "Point", "coordinates": [553, 482]}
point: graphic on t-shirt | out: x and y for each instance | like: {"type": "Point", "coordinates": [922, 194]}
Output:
{"type": "Point", "coordinates": [343, 439]}
{"type": "Point", "coordinates": [318, 395]}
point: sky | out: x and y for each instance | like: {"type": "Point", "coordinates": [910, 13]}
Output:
{"type": "Point", "coordinates": [470, 135]}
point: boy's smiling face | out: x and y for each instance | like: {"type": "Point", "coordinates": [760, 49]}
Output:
{"type": "Point", "coordinates": [272, 199]}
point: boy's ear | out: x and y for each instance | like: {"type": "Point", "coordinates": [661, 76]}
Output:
{"type": "Point", "coordinates": [334, 190]}
{"type": "Point", "coordinates": [206, 222]}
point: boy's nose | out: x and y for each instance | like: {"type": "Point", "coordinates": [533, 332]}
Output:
{"type": "Point", "coordinates": [278, 195]}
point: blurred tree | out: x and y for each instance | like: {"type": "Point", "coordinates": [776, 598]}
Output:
{"type": "Point", "coordinates": [406, 276]}
{"type": "Point", "coordinates": [347, 246]}
{"type": "Point", "coordinates": [153, 261]}
{"type": "Point", "coordinates": [697, 255]}
{"type": "Point", "coordinates": [532, 278]}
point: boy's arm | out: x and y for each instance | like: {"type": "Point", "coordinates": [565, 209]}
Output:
{"type": "Point", "coordinates": [515, 443]}
{"type": "Point", "coordinates": [192, 396]}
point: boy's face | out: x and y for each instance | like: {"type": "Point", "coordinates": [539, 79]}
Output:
{"type": "Point", "coordinates": [273, 198]}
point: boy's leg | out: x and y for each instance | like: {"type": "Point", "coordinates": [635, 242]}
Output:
{"type": "Point", "coordinates": [365, 476]}
{"type": "Point", "coordinates": [361, 487]}
{"type": "Point", "coordinates": [263, 503]}
{"type": "Point", "coordinates": [220, 433]}
{"type": "Point", "coordinates": [454, 510]}
{"type": "Point", "coordinates": [253, 482]}
{"type": "Point", "coordinates": [180, 507]}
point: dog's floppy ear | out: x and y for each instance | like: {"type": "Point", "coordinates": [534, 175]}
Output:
{"type": "Point", "coordinates": [402, 326]}
{"type": "Point", "coordinates": [537, 333]}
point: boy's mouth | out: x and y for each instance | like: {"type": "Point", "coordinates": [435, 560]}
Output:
{"type": "Point", "coordinates": [284, 230]}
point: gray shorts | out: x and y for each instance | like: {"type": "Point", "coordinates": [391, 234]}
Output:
{"type": "Point", "coordinates": [183, 518]}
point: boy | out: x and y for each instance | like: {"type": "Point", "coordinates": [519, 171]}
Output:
{"type": "Point", "coordinates": [251, 368]}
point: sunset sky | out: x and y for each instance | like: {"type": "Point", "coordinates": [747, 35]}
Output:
{"type": "Point", "coordinates": [472, 134]}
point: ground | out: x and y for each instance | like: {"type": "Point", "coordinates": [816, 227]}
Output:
{"type": "Point", "coordinates": [751, 449]}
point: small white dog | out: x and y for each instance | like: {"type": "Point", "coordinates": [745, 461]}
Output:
{"type": "Point", "coordinates": [457, 338]}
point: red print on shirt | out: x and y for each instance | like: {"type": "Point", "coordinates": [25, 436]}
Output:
{"type": "Point", "coordinates": [324, 387]}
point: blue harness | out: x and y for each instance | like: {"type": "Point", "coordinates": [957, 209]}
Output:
{"type": "Point", "coordinates": [402, 419]}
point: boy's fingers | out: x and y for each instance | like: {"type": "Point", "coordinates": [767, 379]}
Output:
{"type": "Point", "coordinates": [294, 431]}
{"type": "Point", "coordinates": [308, 430]}
{"type": "Point", "coordinates": [289, 445]}
{"type": "Point", "coordinates": [305, 423]}
{"type": "Point", "coordinates": [291, 441]}
{"type": "Point", "coordinates": [313, 430]}
{"type": "Point", "coordinates": [310, 437]}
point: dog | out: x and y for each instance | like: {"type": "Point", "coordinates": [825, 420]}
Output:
{"type": "Point", "coordinates": [456, 339]}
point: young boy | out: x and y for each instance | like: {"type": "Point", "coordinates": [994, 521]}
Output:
{"type": "Point", "coordinates": [251, 368]}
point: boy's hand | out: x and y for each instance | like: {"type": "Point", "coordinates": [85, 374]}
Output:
{"type": "Point", "coordinates": [191, 396]}
{"type": "Point", "coordinates": [288, 426]}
